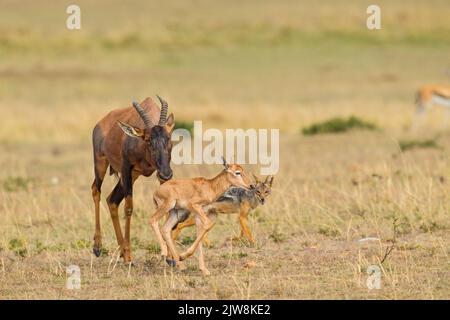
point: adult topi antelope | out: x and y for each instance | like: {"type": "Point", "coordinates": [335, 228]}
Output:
{"type": "Point", "coordinates": [132, 141]}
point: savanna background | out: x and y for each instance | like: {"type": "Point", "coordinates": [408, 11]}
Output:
{"type": "Point", "coordinates": [248, 64]}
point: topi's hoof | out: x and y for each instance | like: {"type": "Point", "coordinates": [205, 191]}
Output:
{"type": "Point", "coordinates": [96, 251]}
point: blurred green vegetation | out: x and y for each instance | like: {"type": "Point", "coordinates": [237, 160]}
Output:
{"type": "Point", "coordinates": [336, 125]}
{"type": "Point", "coordinates": [308, 59]}
{"type": "Point", "coordinates": [418, 144]}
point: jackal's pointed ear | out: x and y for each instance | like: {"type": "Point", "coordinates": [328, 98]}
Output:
{"type": "Point", "coordinates": [269, 181]}
{"type": "Point", "coordinates": [256, 178]}
{"type": "Point", "coordinates": [170, 123]}
{"type": "Point", "coordinates": [130, 130]}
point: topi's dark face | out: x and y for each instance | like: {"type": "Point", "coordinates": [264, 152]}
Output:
{"type": "Point", "coordinates": [160, 147]}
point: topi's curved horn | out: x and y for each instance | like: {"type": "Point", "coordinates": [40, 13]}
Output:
{"type": "Point", "coordinates": [164, 109]}
{"type": "Point", "coordinates": [144, 115]}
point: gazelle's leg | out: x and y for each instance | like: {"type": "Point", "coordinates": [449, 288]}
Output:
{"type": "Point", "coordinates": [419, 115]}
{"type": "Point", "coordinates": [205, 225]}
{"type": "Point", "coordinates": [166, 231]}
{"type": "Point", "coordinates": [446, 117]}
{"type": "Point", "coordinates": [100, 167]}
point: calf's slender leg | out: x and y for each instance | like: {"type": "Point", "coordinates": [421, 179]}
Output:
{"type": "Point", "coordinates": [171, 221]}
{"type": "Point", "coordinates": [201, 258]}
{"type": "Point", "coordinates": [205, 225]}
{"type": "Point", "coordinates": [163, 207]}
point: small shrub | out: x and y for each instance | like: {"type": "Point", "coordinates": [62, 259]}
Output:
{"type": "Point", "coordinates": [152, 248]}
{"type": "Point", "coordinates": [431, 226]}
{"type": "Point", "coordinates": [187, 240]}
{"type": "Point", "coordinates": [277, 236]}
{"type": "Point", "coordinates": [415, 144]}
{"type": "Point", "coordinates": [236, 255]}
{"type": "Point", "coordinates": [81, 244]}
{"type": "Point", "coordinates": [337, 125]}
{"type": "Point", "coordinates": [40, 247]}
{"type": "Point", "coordinates": [329, 231]}
{"type": "Point", "coordinates": [18, 247]}
{"type": "Point", "coordinates": [13, 184]}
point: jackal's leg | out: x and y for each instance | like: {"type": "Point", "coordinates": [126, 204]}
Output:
{"type": "Point", "coordinates": [243, 219]}
{"type": "Point", "coordinates": [100, 167]}
{"type": "Point", "coordinates": [205, 225]}
{"type": "Point", "coordinates": [189, 222]}
{"type": "Point", "coordinates": [185, 224]}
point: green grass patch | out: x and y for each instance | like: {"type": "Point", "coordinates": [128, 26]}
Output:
{"type": "Point", "coordinates": [418, 144]}
{"type": "Point", "coordinates": [187, 240]}
{"type": "Point", "coordinates": [338, 125]}
{"type": "Point", "coordinates": [18, 246]}
{"type": "Point", "coordinates": [329, 231]}
{"type": "Point", "coordinates": [13, 184]}
{"type": "Point", "coordinates": [184, 125]}
{"type": "Point", "coordinates": [236, 255]}
{"type": "Point", "coordinates": [277, 236]}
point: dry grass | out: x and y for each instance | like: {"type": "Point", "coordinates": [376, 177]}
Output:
{"type": "Point", "coordinates": [303, 65]}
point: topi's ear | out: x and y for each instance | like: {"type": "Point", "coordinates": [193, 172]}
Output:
{"type": "Point", "coordinates": [225, 164]}
{"type": "Point", "coordinates": [170, 123]}
{"type": "Point", "coordinates": [131, 130]}
{"type": "Point", "coordinates": [256, 178]}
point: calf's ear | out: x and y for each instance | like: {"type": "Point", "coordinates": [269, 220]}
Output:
{"type": "Point", "coordinates": [131, 130]}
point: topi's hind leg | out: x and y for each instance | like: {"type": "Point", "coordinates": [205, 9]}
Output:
{"type": "Point", "coordinates": [100, 167]}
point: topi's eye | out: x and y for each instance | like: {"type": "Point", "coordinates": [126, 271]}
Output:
{"type": "Point", "coordinates": [238, 173]}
